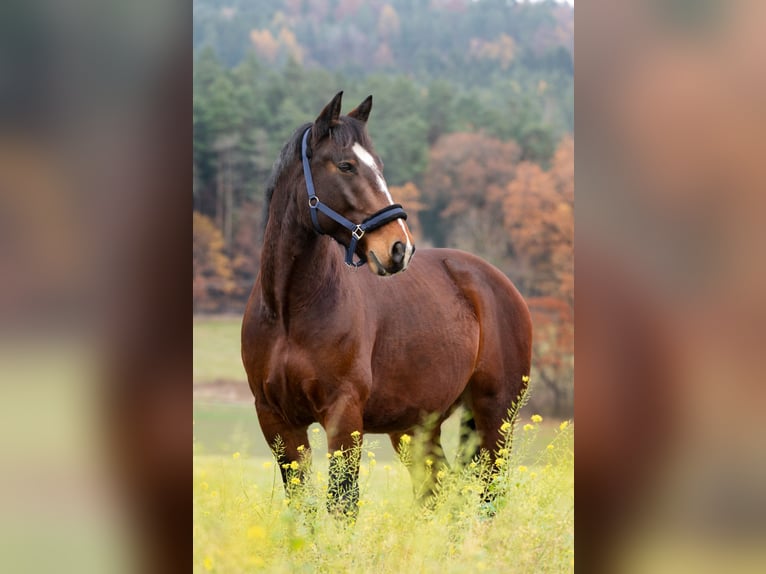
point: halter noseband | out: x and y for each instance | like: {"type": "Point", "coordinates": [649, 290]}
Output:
{"type": "Point", "coordinates": [377, 219]}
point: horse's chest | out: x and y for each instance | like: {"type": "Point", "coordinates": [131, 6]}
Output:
{"type": "Point", "coordinates": [298, 378]}
{"type": "Point", "coordinates": [288, 365]}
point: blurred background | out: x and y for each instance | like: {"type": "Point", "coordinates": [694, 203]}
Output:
{"type": "Point", "coordinates": [671, 457]}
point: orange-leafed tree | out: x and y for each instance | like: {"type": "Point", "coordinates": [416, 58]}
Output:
{"type": "Point", "coordinates": [211, 267]}
{"type": "Point", "coordinates": [552, 355]}
{"type": "Point", "coordinates": [465, 177]}
{"type": "Point", "coordinates": [265, 44]}
{"type": "Point", "coordinates": [539, 219]}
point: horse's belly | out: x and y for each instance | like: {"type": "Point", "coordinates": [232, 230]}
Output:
{"type": "Point", "coordinates": [430, 378]}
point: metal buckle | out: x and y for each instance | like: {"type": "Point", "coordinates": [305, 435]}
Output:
{"type": "Point", "coordinates": [313, 202]}
{"type": "Point", "coordinates": [358, 232]}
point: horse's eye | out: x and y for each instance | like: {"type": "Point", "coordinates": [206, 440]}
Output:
{"type": "Point", "coordinates": [346, 167]}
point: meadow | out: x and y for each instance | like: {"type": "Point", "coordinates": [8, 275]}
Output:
{"type": "Point", "coordinates": [244, 522]}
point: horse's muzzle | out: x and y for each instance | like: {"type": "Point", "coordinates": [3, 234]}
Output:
{"type": "Point", "coordinates": [399, 259]}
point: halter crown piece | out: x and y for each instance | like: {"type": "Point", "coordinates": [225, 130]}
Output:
{"type": "Point", "coordinates": [376, 220]}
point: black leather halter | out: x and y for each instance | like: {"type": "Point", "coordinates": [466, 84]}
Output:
{"type": "Point", "coordinates": [376, 220]}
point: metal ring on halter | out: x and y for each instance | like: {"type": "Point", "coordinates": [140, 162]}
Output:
{"type": "Point", "coordinates": [358, 232]}
{"type": "Point", "coordinates": [313, 201]}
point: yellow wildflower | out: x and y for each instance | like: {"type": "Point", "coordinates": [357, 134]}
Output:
{"type": "Point", "coordinates": [563, 425]}
{"type": "Point", "coordinates": [499, 462]}
{"type": "Point", "coordinates": [373, 462]}
{"type": "Point", "coordinates": [472, 465]}
{"type": "Point", "coordinates": [294, 465]}
{"type": "Point", "coordinates": [525, 378]}
{"type": "Point", "coordinates": [315, 430]}
{"type": "Point", "coordinates": [337, 454]}
{"type": "Point", "coordinates": [370, 454]}
{"type": "Point", "coordinates": [505, 427]}
{"type": "Point", "coordinates": [522, 468]}
{"type": "Point", "coordinates": [440, 474]}
{"type": "Point", "coordinates": [256, 532]}
{"type": "Point", "coordinates": [503, 452]}
{"type": "Point", "coordinates": [355, 434]}
{"type": "Point", "coordinates": [295, 480]}
{"type": "Point", "coordinates": [208, 563]}
{"type": "Point", "coordinates": [300, 448]}
{"type": "Point", "coordinates": [235, 456]}
{"type": "Point", "coordinates": [405, 439]}
{"type": "Point", "coordinates": [204, 485]}
{"type": "Point", "coordinates": [550, 447]}
{"type": "Point", "coordinates": [528, 427]}
{"type": "Point", "coordinates": [536, 418]}
{"type": "Point", "coordinates": [429, 462]}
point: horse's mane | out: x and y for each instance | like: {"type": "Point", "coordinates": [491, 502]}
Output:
{"type": "Point", "coordinates": [344, 135]}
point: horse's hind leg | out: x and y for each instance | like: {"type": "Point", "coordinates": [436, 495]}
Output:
{"type": "Point", "coordinates": [469, 447]}
{"type": "Point", "coordinates": [491, 404]}
{"type": "Point", "coordinates": [424, 460]}
{"type": "Point", "coordinates": [492, 399]}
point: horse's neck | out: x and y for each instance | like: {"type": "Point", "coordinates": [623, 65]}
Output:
{"type": "Point", "coordinates": [296, 265]}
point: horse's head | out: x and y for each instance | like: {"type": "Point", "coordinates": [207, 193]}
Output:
{"type": "Point", "coordinates": [348, 178]}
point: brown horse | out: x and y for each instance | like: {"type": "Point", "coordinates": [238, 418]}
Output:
{"type": "Point", "coordinates": [370, 352]}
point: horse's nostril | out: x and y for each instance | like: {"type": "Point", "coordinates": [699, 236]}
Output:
{"type": "Point", "coordinates": [397, 253]}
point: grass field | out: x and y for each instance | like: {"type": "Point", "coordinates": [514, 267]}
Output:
{"type": "Point", "coordinates": [243, 522]}
{"type": "Point", "coordinates": [216, 349]}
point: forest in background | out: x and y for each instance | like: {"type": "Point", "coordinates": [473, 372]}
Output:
{"type": "Point", "coordinates": [472, 116]}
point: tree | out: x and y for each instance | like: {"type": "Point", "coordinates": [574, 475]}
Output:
{"type": "Point", "coordinates": [540, 223]}
{"type": "Point", "coordinates": [465, 170]}
{"type": "Point", "coordinates": [211, 267]}
{"type": "Point", "coordinates": [552, 355]}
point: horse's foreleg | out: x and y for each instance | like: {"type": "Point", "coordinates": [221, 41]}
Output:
{"type": "Point", "coordinates": [290, 447]}
{"type": "Point", "coordinates": [344, 440]}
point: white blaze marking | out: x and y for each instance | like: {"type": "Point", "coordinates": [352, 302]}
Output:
{"type": "Point", "coordinates": [366, 158]}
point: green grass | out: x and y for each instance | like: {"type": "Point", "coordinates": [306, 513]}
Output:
{"type": "Point", "coordinates": [223, 428]}
{"type": "Point", "coordinates": [216, 349]}
{"type": "Point", "coordinates": [244, 523]}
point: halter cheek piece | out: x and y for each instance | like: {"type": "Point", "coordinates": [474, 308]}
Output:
{"type": "Point", "coordinates": [377, 219]}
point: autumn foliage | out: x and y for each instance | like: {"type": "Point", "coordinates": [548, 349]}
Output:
{"type": "Point", "coordinates": [211, 266]}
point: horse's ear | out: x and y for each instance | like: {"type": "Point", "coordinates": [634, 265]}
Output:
{"type": "Point", "coordinates": [327, 119]}
{"type": "Point", "coordinates": [362, 111]}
